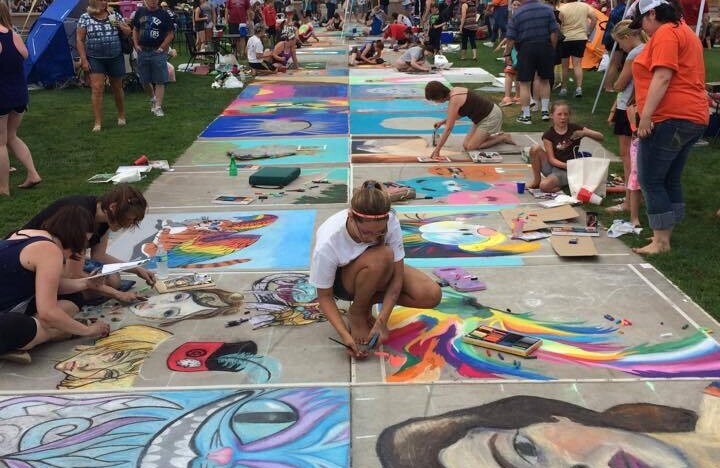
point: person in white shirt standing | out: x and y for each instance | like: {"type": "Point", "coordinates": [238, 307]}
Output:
{"type": "Point", "coordinates": [358, 257]}
{"type": "Point", "coordinates": [577, 20]}
{"type": "Point", "coordinates": [256, 55]}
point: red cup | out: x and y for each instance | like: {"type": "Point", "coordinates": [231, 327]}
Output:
{"type": "Point", "coordinates": [141, 161]}
{"type": "Point", "coordinates": [586, 196]}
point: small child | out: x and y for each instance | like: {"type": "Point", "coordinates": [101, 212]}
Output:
{"type": "Point", "coordinates": [560, 143]}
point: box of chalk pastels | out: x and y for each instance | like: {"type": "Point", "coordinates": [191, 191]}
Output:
{"type": "Point", "coordinates": [502, 340]}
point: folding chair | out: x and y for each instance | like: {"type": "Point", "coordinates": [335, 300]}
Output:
{"type": "Point", "coordinates": [207, 56]}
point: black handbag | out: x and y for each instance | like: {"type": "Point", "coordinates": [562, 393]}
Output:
{"type": "Point", "coordinates": [126, 44]}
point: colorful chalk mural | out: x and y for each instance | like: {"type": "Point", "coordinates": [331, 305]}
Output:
{"type": "Point", "coordinates": [284, 299]}
{"type": "Point", "coordinates": [272, 92]}
{"type": "Point", "coordinates": [113, 361]}
{"type": "Point", "coordinates": [268, 152]}
{"type": "Point", "coordinates": [414, 91]}
{"type": "Point", "coordinates": [432, 238]}
{"type": "Point", "coordinates": [287, 107]}
{"type": "Point", "coordinates": [431, 342]}
{"type": "Point", "coordinates": [240, 357]}
{"type": "Point", "coordinates": [524, 431]}
{"type": "Point", "coordinates": [393, 105]}
{"type": "Point", "coordinates": [420, 123]}
{"type": "Point", "coordinates": [279, 239]}
{"type": "Point", "coordinates": [170, 308]}
{"type": "Point", "coordinates": [302, 428]}
{"type": "Point", "coordinates": [298, 124]}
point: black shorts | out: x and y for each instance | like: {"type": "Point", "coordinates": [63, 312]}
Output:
{"type": "Point", "coordinates": [339, 290]}
{"type": "Point", "coordinates": [572, 48]}
{"type": "Point", "coordinates": [17, 110]}
{"type": "Point", "coordinates": [261, 66]}
{"type": "Point", "coordinates": [622, 123]}
{"type": "Point", "coordinates": [16, 331]}
{"type": "Point", "coordinates": [535, 57]}
{"type": "Point", "coordinates": [200, 26]}
{"type": "Point", "coordinates": [75, 298]}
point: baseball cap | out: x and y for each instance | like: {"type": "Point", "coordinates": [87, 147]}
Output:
{"type": "Point", "coordinates": [640, 8]}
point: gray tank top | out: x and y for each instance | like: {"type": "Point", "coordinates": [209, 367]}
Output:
{"type": "Point", "coordinates": [471, 16]}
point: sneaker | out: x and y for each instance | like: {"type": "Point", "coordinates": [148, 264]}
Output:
{"type": "Point", "coordinates": [153, 104]}
{"type": "Point", "coordinates": [524, 119]}
{"type": "Point", "coordinates": [534, 106]}
{"type": "Point", "coordinates": [489, 44]}
{"type": "Point", "coordinates": [525, 154]}
{"type": "Point", "coordinates": [578, 92]}
{"type": "Point", "coordinates": [545, 116]}
{"type": "Point", "coordinates": [563, 92]}
{"type": "Point", "coordinates": [159, 112]}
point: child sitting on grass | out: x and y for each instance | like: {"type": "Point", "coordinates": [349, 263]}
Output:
{"type": "Point", "coordinates": [560, 143]}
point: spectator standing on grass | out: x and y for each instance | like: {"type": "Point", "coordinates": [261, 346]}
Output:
{"type": "Point", "coordinates": [669, 76]}
{"type": "Point", "coordinates": [236, 17]}
{"type": "Point", "coordinates": [270, 15]}
{"type": "Point", "coordinates": [330, 6]}
{"type": "Point", "coordinates": [577, 20]}
{"type": "Point", "coordinates": [533, 31]}
{"type": "Point", "coordinates": [152, 35]}
{"type": "Point", "coordinates": [468, 27]}
{"type": "Point", "coordinates": [13, 104]}
{"type": "Point", "coordinates": [98, 44]}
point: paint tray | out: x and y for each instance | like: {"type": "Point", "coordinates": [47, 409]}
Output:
{"type": "Point", "coordinates": [184, 283]}
{"type": "Point", "coordinates": [484, 157]}
{"type": "Point", "coordinates": [503, 341]}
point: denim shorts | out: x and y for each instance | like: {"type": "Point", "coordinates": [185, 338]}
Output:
{"type": "Point", "coordinates": [112, 67]}
{"type": "Point", "coordinates": [152, 67]}
{"type": "Point", "coordinates": [560, 174]}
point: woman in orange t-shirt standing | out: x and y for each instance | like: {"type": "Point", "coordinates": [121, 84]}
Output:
{"type": "Point", "coordinates": [669, 77]}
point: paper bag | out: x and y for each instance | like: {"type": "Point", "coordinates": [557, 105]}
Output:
{"type": "Point", "coordinates": [590, 173]}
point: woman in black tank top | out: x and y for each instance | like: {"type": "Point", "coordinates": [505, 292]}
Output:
{"type": "Point", "coordinates": [36, 303]}
{"type": "Point", "coordinates": [485, 115]}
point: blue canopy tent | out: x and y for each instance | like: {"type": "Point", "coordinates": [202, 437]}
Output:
{"type": "Point", "coordinates": [51, 42]}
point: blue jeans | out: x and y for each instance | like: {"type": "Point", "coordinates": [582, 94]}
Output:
{"type": "Point", "coordinates": [661, 159]}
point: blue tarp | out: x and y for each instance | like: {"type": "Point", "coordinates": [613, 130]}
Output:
{"type": "Point", "coordinates": [50, 57]}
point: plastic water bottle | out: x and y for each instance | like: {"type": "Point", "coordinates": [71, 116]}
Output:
{"type": "Point", "coordinates": [232, 168]}
{"type": "Point", "coordinates": [161, 262]}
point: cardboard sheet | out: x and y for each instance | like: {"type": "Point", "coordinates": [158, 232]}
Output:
{"type": "Point", "coordinates": [583, 246]}
{"type": "Point", "coordinates": [536, 219]}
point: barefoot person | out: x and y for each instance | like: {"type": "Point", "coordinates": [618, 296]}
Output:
{"type": "Point", "coordinates": [669, 76]}
{"type": "Point", "coordinates": [13, 104]}
{"type": "Point", "coordinates": [486, 117]}
{"type": "Point", "coordinates": [358, 257]}
{"type": "Point", "coordinates": [121, 208]}
{"type": "Point", "coordinates": [36, 303]}
{"type": "Point", "coordinates": [369, 54]}
{"type": "Point", "coordinates": [560, 143]}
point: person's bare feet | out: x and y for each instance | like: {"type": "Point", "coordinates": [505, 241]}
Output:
{"type": "Point", "coordinates": [652, 248]}
{"type": "Point", "coordinates": [617, 208]}
{"type": "Point", "coordinates": [507, 138]}
{"type": "Point", "coordinates": [533, 185]}
{"type": "Point", "coordinates": [30, 183]}
{"type": "Point", "coordinates": [359, 325]}
{"type": "Point", "coordinates": [635, 222]}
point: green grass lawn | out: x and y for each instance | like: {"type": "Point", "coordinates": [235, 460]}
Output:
{"type": "Point", "coordinates": [693, 264]}
{"type": "Point", "coordinates": [57, 130]}
{"type": "Point", "coordinates": [66, 153]}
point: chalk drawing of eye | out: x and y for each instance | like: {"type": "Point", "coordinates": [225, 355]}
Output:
{"type": "Point", "coordinates": [180, 297]}
{"type": "Point", "coordinates": [170, 312]}
{"type": "Point", "coordinates": [258, 419]}
{"type": "Point", "coordinates": [525, 448]}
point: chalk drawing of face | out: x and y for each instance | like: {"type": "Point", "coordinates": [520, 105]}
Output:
{"type": "Point", "coordinates": [170, 308]}
{"type": "Point", "coordinates": [561, 443]}
{"type": "Point", "coordinates": [468, 237]}
{"type": "Point", "coordinates": [113, 361]}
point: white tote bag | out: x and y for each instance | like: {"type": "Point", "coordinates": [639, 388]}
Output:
{"type": "Point", "coordinates": [588, 172]}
